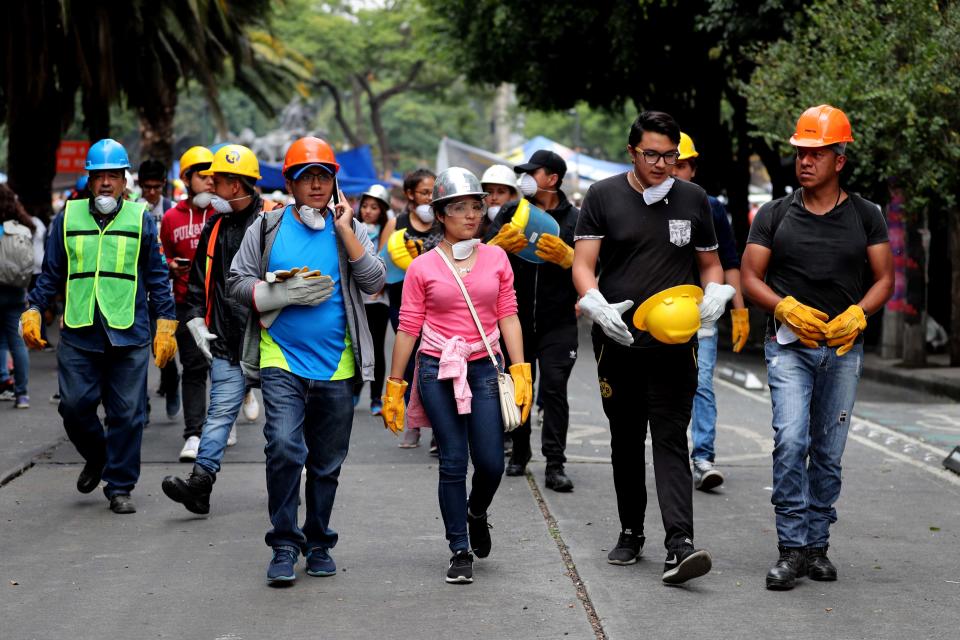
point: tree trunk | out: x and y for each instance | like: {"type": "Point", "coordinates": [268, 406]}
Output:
{"type": "Point", "coordinates": [383, 141]}
{"type": "Point", "coordinates": [156, 127]}
{"type": "Point", "coordinates": [954, 244]}
{"type": "Point", "coordinates": [914, 312]}
{"type": "Point", "coordinates": [96, 117]}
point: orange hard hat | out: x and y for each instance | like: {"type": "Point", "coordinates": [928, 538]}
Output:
{"type": "Point", "coordinates": [822, 126]}
{"type": "Point", "coordinates": [307, 151]}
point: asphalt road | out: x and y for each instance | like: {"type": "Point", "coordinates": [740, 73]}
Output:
{"type": "Point", "coordinates": [72, 569]}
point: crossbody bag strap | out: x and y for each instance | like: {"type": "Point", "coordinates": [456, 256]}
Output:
{"type": "Point", "coordinates": [473, 311]}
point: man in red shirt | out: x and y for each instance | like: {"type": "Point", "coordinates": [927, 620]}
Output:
{"type": "Point", "coordinates": [180, 234]}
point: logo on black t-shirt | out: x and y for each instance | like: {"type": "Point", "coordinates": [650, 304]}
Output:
{"type": "Point", "coordinates": [680, 232]}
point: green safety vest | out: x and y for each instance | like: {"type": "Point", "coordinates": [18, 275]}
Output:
{"type": "Point", "coordinates": [101, 264]}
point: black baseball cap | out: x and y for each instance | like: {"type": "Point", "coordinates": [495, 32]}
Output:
{"type": "Point", "coordinates": [546, 159]}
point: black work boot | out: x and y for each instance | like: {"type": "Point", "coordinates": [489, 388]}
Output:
{"type": "Point", "coordinates": [791, 565]}
{"type": "Point", "coordinates": [194, 492]}
{"type": "Point", "coordinates": [89, 478]}
{"type": "Point", "coordinates": [819, 566]}
{"type": "Point", "coordinates": [556, 479]}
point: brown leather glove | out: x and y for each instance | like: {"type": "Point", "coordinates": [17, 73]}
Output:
{"type": "Point", "coordinates": [808, 323]}
{"type": "Point", "coordinates": [741, 328]}
{"type": "Point", "coordinates": [843, 330]}
{"type": "Point", "coordinates": [552, 249]}
{"type": "Point", "coordinates": [509, 238]}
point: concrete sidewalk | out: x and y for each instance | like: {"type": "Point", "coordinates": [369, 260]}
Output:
{"type": "Point", "coordinates": [938, 377]}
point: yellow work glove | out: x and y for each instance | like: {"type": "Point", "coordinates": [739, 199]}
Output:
{"type": "Point", "coordinates": [393, 405]}
{"type": "Point", "coordinates": [741, 328]}
{"type": "Point", "coordinates": [552, 249]}
{"type": "Point", "coordinates": [522, 388]}
{"type": "Point", "coordinates": [807, 323]}
{"type": "Point", "coordinates": [414, 246]}
{"type": "Point", "coordinates": [164, 343]}
{"type": "Point", "coordinates": [843, 330]}
{"type": "Point", "coordinates": [509, 238]}
{"type": "Point", "coordinates": [30, 329]}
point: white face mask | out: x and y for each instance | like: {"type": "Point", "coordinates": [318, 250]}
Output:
{"type": "Point", "coordinates": [106, 204]}
{"type": "Point", "coordinates": [220, 205]}
{"type": "Point", "coordinates": [372, 228]}
{"type": "Point", "coordinates": [425, 213]}
{"type": "Point", "coordinates": [527, 185]}
{"type": "Point", "coordinates": [493, 211]}
{"type": "Point", "coordinates": [463, 249]}
{"type": "Point", "coordinates": [313, 218]}
{"type": "Point", "coordinates": [655, 194]}
{"type": "Point", "coordinates": [202, 200]}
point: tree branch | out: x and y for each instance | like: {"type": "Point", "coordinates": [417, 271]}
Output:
{"type": "Point", "coordinates": [338, 113]}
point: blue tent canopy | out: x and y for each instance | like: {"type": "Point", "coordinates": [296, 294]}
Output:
{"type": "Point", "coordinates": [356, 175]}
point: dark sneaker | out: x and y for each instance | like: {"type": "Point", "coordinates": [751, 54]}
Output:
{"type": "Point", "coordinates": [376, 408]}
{"type": "Point", "coordinates": [686, 563]}
{"type": "Point", "coordinates": [791, 564]}
{"type": "Point", "coordinates": [281, 570]}
{"type": "Point", "coordinates": [706, 476]}
{"type": "Point", "coordinates": [507, 445]}
{"type": "Point", "coordinates": [629, 548]}
{"type": "Point", "coordinates": [122, 503]}
{"type": "Point", "coordinates": [461, 568]}
{"type": "Point", "coordinates": [557, 480]}
{"type": "Point", "coordinates": [819, 567]}
{"type": "Point", "coordinates": [320, 564]}
{"type": "Point", "coordinates": [22, 402]}
{"type": "Point", "coordinates": [194, 492]}
{"type": "Point", "coordinates": [173, 403]}
{"type": "Point", "coordinates": [89, 477]}
{"type": "Point", "coordinates": [479, 531]}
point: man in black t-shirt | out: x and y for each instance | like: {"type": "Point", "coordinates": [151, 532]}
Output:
{"type": "Point", "coordinates": [806, 264]}
{"type": "Point", "coordinates": [640, 233]}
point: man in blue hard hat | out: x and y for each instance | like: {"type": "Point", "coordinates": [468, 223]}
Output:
{"type": "Point", "coordinates": [104, 257]}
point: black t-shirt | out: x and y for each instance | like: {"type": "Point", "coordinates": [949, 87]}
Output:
{"type": "Point", "coordinates": [431, 237]}
{"type": "Point", "coordinates": [644, 248]}
{"type": "Point", "coordinates": [819, 259]}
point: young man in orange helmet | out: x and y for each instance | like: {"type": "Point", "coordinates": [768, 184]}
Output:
{"type": "Point", "coordinates": [804, 265]}
{"type": "Point", "coordinates": [311, 342]}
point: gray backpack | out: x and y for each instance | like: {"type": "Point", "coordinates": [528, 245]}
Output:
{"type": "Point", "coordinates": [16, 255]}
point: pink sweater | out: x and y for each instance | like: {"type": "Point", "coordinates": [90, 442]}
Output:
{"type": "Point", "coordinates": [430, 294]}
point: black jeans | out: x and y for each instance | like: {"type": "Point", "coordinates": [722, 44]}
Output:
{"type": "Point", "coordinates": [653, 385]}
{"type": "Point", "coordinates": [377, 317]}
{"type": "Point", "coordinates": [554, 353]}
{"type": "Point", "coordinates": [194, 378]}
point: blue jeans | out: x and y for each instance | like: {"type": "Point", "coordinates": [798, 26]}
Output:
{"type": "Point", "coordinates": [308, 422]}
{"type": "Point", "coordinates": [114, 377]}
{"type": "Point", "coordinates": [227, 388]}
{"type": "Point", "coordinates": [9, 323]}
{"type": "Point", "coordinates": [703, 426]}
{"type": "Point", "coordinates": [481, 430]}
{"type": "Point", "coordinates": [812, 392]}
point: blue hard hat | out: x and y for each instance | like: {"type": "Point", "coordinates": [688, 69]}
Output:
{"type": "Point", "coordinates": [81, 183]}
{"type": "Point", "coordinates": [107, 154]}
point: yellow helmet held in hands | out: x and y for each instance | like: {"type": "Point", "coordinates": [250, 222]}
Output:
{"type": "Point", "coordinates": [236, 159]}
{"type": "Point", "coordinates": [686, 148]}
{"type": "Point", "coordinates": [671, 316]}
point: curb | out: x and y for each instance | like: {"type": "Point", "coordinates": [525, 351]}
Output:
{"type": "Point", "coordinates": [9, 475]}
{"type": "Point", "coordinates": [903, 379]}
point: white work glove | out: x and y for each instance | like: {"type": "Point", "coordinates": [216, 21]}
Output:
{"type": "Point", "coordinates": [608, 316]}
{"type": "Point", "coordinates": [297, 290]}
{"type": "Point", "coordinates": [202, 336]}
{"type": "Point", "coordinates": [715, 299]}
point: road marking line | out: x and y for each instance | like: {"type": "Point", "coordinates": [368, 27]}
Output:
{"type": "Point", "coordinates": [942, 474]}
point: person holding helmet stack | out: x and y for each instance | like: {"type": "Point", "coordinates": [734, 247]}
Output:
{"type": "Point", "coordinates": [304, 269]}
{"type": "Point", "coordinates": [374, 204]}
{"type": "Point", "coordinates": [703, 425]}
{"type": "Point", "coordinates": [180, 235]}
{"type": "Point", "coordinates": [216, 322]}
{"type": "Point", "coordinates": [104, 257]}
{"type": "Point", "coordinates": [455, 383]}
{"type": "Point", "coordinates": [645, 237]}
{"type": "Point", "coordinates": [547, 309]}
{"type": "Point", "coordinates": [819, 262]}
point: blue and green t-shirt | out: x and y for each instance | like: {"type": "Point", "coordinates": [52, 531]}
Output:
{"type": "Point", "coordinates": [311, 342]}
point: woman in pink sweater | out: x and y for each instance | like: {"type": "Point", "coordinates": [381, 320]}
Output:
{"type": "Point", "coordinates": [455, 384]}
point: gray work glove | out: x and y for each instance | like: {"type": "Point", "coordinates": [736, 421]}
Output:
{"type": "Point", "coordinates": [608, 316]}
{"type": "Point", "coordinates": [202, 336]}
{"type": "Point", "coordinates": [297, 290]}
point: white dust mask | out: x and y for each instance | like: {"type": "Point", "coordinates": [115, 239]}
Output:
{"type": "Point", "coordinates": [493, 211]}
{"type": "Point", "coordinates": [527, 185]}
{"type": "Point", "coordinates": [220, 205]}
{"type": "Point", "coordinates": [657, 193]}
{"type": "Point", "coordinates": [313, 218]}
{"type": "Point", "coordinates": [425, 213]}
{"type": "Point", "coordinates": [463, 249]}
{"type": "Point", "coordinates": [106, 204]}
{"type": "Point", "coordinates": [202, 200]}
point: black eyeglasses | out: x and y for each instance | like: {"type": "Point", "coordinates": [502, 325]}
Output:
{"type": "Point", "coordinates": [653, 157]}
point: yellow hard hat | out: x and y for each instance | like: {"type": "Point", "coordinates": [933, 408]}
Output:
{"type": "Point", "coordinates": [671, 316]}
{"type": "Point", "coordinates": [193, 157]}
{"type": "Point", "coordinates": [686, 148]}
{"type": "Point", "coordinates": [236, 159]}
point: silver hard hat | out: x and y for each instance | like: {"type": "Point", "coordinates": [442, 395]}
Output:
{"type": "Point", "coordinates": [378, 192]}
{"type": "Point", "coordinates": [454, 182]}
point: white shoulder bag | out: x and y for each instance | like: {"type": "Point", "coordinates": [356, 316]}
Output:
{"type": "Point", "coordinates": [508, 403]}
